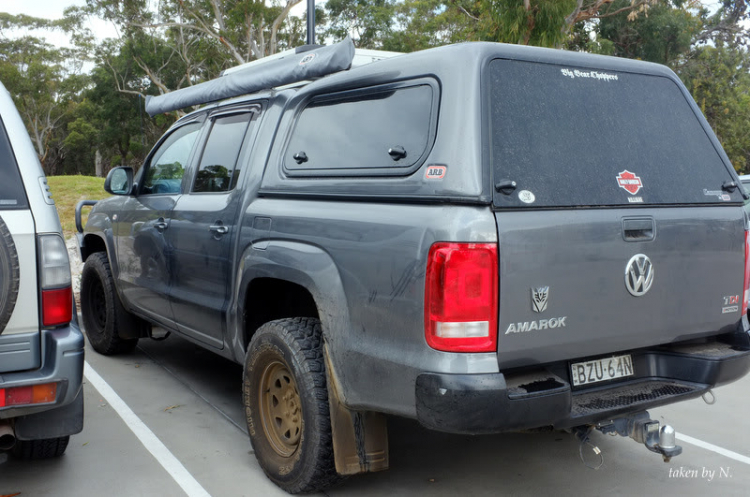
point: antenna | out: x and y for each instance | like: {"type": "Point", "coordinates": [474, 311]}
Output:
{"type": "Point", "coordinates": [311, 22]}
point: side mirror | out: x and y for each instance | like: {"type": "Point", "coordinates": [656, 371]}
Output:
{"type": "Point", "coordinates": [119, 181]}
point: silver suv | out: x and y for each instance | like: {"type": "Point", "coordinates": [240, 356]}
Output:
{"type": "Point", "coordinates": [41, 346]}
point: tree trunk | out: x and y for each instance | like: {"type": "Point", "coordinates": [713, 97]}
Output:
{"type": "Point", "coordinates": [98, 164]}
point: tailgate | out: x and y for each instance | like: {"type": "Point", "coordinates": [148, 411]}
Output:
{"type": "Point", "coordinates": [565, 277]}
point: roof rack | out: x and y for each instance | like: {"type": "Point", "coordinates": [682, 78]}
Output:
{"type": "Point", "coordinates": [285, 68]}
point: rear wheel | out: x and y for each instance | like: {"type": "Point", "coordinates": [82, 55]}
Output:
{"type": "Point", "coordinates": [286, 405]}
{"type": "Point", "coordinates": [103, 314]}
{"type": "Point", "coordinates": [9, 275]}
{"type": "Point", "coordinates": [40, 449]}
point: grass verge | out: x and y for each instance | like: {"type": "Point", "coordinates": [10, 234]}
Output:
{"type": "Point", "coordinates": [68, 191]}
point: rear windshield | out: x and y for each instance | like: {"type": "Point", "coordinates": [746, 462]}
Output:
{"type": "Point", "coordinates": [12, 194]}
{"type": "Point", "coordinates": [573, 137]}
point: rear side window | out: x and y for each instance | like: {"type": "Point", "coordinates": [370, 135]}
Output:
{"type": "Point", "coordinates": [12, 193]}
{"type": "Point", "coordinates": [577, 137]}
{"type": "Point", "coordinates": [218, 169]}
{"type": "Point", "coordinates": [374, 131]}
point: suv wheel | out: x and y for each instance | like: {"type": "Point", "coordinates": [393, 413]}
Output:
{"type": "Point", "coordinates": [9, 275]}
{"type": "Point", "coordinates": [40, 449]}
{"type": "Point", "coordinates": [286, 405]}
{"type": "Point", "coordinates": [101, 309]}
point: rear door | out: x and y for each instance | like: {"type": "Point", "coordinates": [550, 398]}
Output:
{"type": "Point", "coordinates": [19, 294]}
{"type": "Point", "coordinates": [203, 225]}
{"type": "Point", "coordinates": [623, 230]}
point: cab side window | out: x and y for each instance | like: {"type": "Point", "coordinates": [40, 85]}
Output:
{"type": "Point", "coordinates": [218, 169]}
{"type": "Point", "coordinates": [167, 166]}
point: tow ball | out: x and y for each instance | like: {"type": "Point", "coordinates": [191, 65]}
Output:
{"type": "Point", "coordinates": [641, 428]}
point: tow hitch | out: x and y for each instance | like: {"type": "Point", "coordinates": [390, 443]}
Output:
{"type": "Point", "coordinates": [641, 428]}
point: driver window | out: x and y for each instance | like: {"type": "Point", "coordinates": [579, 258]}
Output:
{"type": "Point", "coordinates": [164, 174]}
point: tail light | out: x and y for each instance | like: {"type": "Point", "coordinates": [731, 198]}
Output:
{"type": "Point", "coordinates": [461, 297]}
{"type": "Point", "coordinates": [57, 295]}
{"type": "Point", "coordinates": [746, 296]}
{"type": "Point", "coordinates": [36, 394]}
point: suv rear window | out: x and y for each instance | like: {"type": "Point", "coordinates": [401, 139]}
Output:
{"type": "Point", "coordinates": [576, 137]}
{"type": "Point", "coordinates": [12, 193]}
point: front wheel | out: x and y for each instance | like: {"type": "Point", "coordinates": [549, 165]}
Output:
{"type": "Point", "coordinates": [286, 405]}
{"type": "Point", "coordinates": [102, 312]}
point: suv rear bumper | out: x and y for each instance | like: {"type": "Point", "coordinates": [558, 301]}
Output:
{"type": "Point", "coordinates": [62, 362]}
{"type": "Point", "coordinates": [497, 402]}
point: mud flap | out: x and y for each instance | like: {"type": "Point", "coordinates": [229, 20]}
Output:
{"type": "Point", "coordinates": [360, 438]}
{"type": "Point", "coordinates": [60, 422]}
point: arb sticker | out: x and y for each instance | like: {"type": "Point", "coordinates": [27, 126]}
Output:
{"type": "Point", "coordinates": [629, 181]}
{"type": "Point", "coordinates": [307, 59]}
{"type": "Point", "coordinates": [435, 172]}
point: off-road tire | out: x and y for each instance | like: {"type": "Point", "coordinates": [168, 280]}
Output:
{"type": "Point", "coordinates": [10, 276]}
{"type": "Point", "coordinates": [102, 312]}
{"type": "Point", "coordinates": [40, 449]}
{"type": "Point", "coordinates": [291, 352]}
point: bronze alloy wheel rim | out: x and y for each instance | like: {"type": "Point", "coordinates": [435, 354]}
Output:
{"type": "Point", "coordinates": [280, 409]}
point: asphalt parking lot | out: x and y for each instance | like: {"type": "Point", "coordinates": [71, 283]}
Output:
{"type": "Point", "coordinates": [167, 420]}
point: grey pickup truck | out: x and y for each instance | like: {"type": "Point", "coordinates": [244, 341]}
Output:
{"type": "Point", "coordinates": [481, 237]}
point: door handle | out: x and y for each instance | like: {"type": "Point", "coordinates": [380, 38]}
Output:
{"type": "Point", "coordinates": [219, 229]}
{"type": "Point", "coordinates": [161, 225]}
{"type": "Point", "coordinates": [638, 229]}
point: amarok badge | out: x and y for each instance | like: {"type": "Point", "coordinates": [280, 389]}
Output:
{"type": "Point", "coordinates": [539, 298]}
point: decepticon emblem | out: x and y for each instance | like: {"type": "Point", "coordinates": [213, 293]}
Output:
{"type": "Point", "coordinates": [539, 299]}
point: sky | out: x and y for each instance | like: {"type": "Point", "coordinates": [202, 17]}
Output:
{"type": "Point", "coordinates": [53, 9]}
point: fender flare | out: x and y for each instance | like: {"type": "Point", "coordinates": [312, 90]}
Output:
{"type": "Point", "coordinates": [309, 267]}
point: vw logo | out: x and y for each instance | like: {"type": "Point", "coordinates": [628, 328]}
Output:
{"type": "Point", "coordinates": [639, 275]}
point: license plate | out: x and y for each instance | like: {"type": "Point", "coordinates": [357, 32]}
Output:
{"type": "Point", "coordinates": [609, 368]}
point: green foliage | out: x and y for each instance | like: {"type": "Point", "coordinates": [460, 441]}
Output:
{"type": "Point", "coordinates": [542, 24]}
{"type": "Point", "coordinates": [429, 23]}
{"type": "Point", "coordinates": [719, 80]}
{"type": "Point", "coordinates": [370, 21]}
{"type": "Point", "coordinates": [661, 35]}
{"type": "Point", "coordinates": [44, 89]}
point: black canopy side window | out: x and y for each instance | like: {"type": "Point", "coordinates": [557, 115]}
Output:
{"type": "Point", "coordinates": [385, 130]}
{"type": "Point", "coordinates": [12, 193]}
{"type": "Point", "coordinates": [219, 169]}
{"type": "Point", "coordinates": [567, 136]}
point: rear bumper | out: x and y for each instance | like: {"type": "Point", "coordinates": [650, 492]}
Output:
{"type": "Point", "coordinates": [62, 362]}
{"type": "Point", "coordinates": [497, 402]}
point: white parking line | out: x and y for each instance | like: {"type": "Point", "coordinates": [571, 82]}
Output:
{"type": "Point", "coordinates": [713, 448]}
{"type": "Point", "coordinates": [162, 454]}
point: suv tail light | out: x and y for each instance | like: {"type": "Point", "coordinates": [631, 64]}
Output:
{"type": "Point", "coordinates": [461, 297]}
{"type": "Point", "coordinates": [36, 394]}
{"type": "Point", "coordinates": [54, 269]}
{"type": "Point", "coordinates": [746, 295]}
